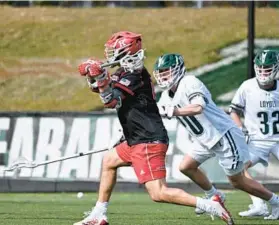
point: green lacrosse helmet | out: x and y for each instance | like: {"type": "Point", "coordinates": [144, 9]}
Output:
{"type": "Point", "coordinates": [168, 70]}
{"type": "Point", "coordinates": [266, 65]}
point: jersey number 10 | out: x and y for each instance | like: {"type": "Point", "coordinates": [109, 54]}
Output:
{"type": "Point", "coordinates": [266, 126]}
{"type": "Point", "coordinates": [192, 123]}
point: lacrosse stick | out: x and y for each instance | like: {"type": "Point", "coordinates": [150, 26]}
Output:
{"type": "Point", "coordinates": [23, 162]}
{"type": "Point", "coordinates": [249, 138]}
{"type": "Point", "coordinates": [104, 65]}
{"type": "Point", "coordinates": [274, 141]}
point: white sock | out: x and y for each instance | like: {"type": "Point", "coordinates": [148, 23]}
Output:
{"type": "Point", "coordinates": [211, 192]}
{"type": "Point", "coordinates": [102, 205]}
{"type": "Point", "coordinates": [257, 201]}
{"type": "Point", "coordinates": [274, 199]}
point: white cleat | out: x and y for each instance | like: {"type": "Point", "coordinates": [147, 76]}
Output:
{"type": "Point", "coordinates": [95, 217]}
{"type": "Point", "coordinates": [274, 213]}
{"type": "Point", "coordinates": [259, 210]}
{"type": "Point", "coordinates": [215, 207]}
{"type": "Point", "coordinates": [200, 211]}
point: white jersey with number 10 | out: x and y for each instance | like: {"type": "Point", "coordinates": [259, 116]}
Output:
{"type": "Point", "coordinates": [208, 127]}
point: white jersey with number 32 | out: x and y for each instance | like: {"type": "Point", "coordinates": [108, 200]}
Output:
{"type": "Point", "coordinates": [260, 108]}
{"type": "Point", "coordinates": [209, 126]}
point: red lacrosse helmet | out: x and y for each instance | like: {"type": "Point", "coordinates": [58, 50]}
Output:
{"type": "Point", "coordinates": [121, 44]}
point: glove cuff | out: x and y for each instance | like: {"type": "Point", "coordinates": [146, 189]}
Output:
{"type": "Point", "coordinates": [104, 82]}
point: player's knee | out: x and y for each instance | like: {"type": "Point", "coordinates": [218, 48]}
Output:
{"type": "Point", "coordinates": [237, 182]}
{"type": "Point", "coordinates": [157, 193]}
{"type": "Point", "coordinates": [186, 168]}
{"type": "Point", "coordinates": [108, 160]}
{"type": "Point", "coordinates": [155, 196]}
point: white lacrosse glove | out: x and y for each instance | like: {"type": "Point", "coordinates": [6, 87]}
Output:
{"type": "Point", "coordinates": [246, 134]}
{"type": "Point", "coordinates": [166, 111]}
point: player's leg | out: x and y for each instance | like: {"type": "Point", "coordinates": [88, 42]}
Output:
{"type": "Point", "coordinates": [254, 188]}
{"type": "Point", "coordinates": [258, 206]}
{"type": "Point", "coordinates": [159, 192]}
{"type": "Point", "coordinates": [149, 165]}
{"type": "Point", "coordinates": [114, 159]}
{"type": "Point", "coordinates": [190, 167]}
{"type": "Point", "coordinates": [232, 157]}
{"type": "Point", "coordinates": [275, 211]}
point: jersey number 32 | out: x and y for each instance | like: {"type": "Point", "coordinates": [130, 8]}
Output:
{"type": "Point", "coordinates": [267, 127]}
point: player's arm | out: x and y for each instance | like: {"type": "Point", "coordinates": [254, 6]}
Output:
{"type": "Point", "coordinates": [114, 93]}
{"type": "Point", "coordinates": [237, 106]}
{"type": "Point", "coordinates": [236, 118]}
{"type": "Point", "coordinates": [195, 92]}
{"type": "Point", "coordinates": [189, 110]}
{"type": "Point", "coordinates": [198, 103]}
{"type": "Point", "coordinates": [111, 93]}
{"type": "Point", "coordinates": [99, 81]}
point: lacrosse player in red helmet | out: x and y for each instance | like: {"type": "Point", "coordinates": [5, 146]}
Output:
{"type": "Point", "coordinates": [129, 90]}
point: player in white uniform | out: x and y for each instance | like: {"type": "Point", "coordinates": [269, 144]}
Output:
{"type": "Point", "coordinates": [214, 132]}
{"type": "Point", "coordinates": [257, 99]}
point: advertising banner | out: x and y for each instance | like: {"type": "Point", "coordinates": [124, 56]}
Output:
{"type": "Point", "coordinates": [47, 136]}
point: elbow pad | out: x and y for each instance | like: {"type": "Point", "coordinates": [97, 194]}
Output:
{"type": "Point", "coordinates": [199, 100]}
{"type": "Point", "coordinates": [112, 98]}
{"type": "Point", "coordinates": [236, 108]}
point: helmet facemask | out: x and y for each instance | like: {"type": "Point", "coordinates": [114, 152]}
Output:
{"type": "Point", "coordinates": [168, 70]}
{"type": "Point", "coordinates": [167, 78]}
{"type": "Point", "coordinates": [113, 54]}
{"type": "Point", "coordinates": [133, 62]}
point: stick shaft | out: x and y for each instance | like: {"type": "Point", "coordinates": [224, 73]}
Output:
{"type": "Point", "coordinates": [264, 140]}
{"type": "Point", "coordinates": [69, 157]}
{"type": "Point", "coordinates": [104, 65]}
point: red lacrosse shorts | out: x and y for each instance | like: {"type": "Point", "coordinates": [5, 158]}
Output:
{"type": "Point", "coordinates": [147, 159]}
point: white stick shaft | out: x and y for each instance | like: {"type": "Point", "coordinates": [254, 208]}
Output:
{"type": "Point", "coordinates": [264, 140]}
{"type": "Point", "coordinates": [109, 64]}
{"type": "Point", "coordinates": [70, 157]}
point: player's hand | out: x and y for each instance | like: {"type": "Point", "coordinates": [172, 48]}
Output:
{"type": "Point", "coordinates": [246, 134]}
{"type": "Point", "coordinates": [92, 68]}
{"type": "Point", "coordinates": [94, 72]}
{"type": "Point", "coordinates": [93, 85]}
{"type": "Point", "coordinates": [166, 111]}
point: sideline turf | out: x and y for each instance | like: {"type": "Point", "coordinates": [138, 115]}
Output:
{"type": "Point", "coordinates": [125, 209]}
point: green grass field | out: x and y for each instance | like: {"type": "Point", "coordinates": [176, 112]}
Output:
{"type": "Point", "coordinates": [125, 209]}
{"type": "Point", "coordinates": [42, 47]}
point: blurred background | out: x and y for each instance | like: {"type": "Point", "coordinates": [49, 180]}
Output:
{"type": "Point", "coordinates": [47, 110]}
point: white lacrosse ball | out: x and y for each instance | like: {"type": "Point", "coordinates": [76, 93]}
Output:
{"type": "Point", "coordinates": [80, 195]}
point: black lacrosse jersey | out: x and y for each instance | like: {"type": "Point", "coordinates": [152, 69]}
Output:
{"type": "Point", "coordinates": [139, 115]}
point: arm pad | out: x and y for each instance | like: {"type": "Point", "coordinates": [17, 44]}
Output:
{"type": "Point", "coordinates": [199, 100]}
{"type": "Point", "coordinates": [112, 98]}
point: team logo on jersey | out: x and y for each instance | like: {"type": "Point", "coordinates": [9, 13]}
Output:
{"type": "Point", "coordinates": [114, 78]}
{"type": "Point", "coordinates": [125, 82]}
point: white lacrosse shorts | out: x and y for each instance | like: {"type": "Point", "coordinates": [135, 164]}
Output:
{"type": "Point", "coordinates": [261, 150]}
{"type": "Point", "coordinates": [231, 152]}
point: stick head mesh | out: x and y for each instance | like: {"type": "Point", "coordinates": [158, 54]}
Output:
{"type": "Point", "coordinates": [21, 162]}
